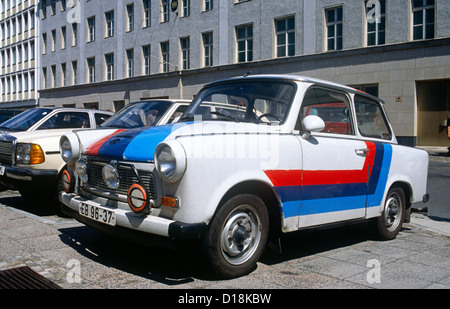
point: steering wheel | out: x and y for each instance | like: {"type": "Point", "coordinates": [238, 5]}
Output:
{"type": "Point", "coordinates": [269, 115]}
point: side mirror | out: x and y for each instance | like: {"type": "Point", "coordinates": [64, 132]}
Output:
{"type": "Point", "coordinates": [312, 123]}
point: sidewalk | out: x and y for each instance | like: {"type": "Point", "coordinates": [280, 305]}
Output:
{"type": "Point", "coordinates": [437, 153]}
{"type": "Point", "coordinates": [57, 248]}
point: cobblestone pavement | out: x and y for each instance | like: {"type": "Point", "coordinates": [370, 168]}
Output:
{"type": "Point", "coordinates": [59, 248]}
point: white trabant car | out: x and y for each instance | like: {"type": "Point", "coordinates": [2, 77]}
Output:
{"type": "Point", "coordinates": [251, 158]}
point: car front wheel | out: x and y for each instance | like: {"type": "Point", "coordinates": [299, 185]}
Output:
{"type": "Point", "coordinates": [237, 236]}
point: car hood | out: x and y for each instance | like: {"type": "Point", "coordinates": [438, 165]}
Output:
{"type": "Point", "coordinates": [30, 136]}
{"type": "Point", "coordinates": [140, 144]}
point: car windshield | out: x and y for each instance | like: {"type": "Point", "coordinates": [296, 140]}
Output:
{"type": "Point", "coordinates": [138, 114]}
{"type": "Point", "coordinates": [25, 120]}
{"type": "Point", "coordinates": [255, 101]}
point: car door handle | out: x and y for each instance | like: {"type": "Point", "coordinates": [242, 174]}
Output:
{"type": "Point", "coordinates": [362, 151]}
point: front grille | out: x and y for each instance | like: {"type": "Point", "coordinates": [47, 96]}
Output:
{"type": "Point", "coordinates": [127, 178]}
{"type": "Point", "coordinates": [6, 151]}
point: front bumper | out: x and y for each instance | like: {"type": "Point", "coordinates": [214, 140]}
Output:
{"type": "Point", "coordinates": [142, 229]}
{"type": "Point", "coordinates": [21, 178]}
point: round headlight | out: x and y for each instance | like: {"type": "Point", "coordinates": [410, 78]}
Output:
{"type": "Point", "coordinates": [111, 176]}
{"type": "Point", "coordinates": [82, 171]}
{"type": "Point", "coordinates": [69, 147]}
{"type": "Point", "coordinates": [170, 160]}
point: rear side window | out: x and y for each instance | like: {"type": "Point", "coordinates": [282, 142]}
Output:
{"type": "Point", "coordinates": [371, 119]}
{"type": "Point", "coordinates": [66, 120]}
{"type": "Point", "coordinates": [100, 118]}
{"type": "Point", "coordinates": [330, 105]}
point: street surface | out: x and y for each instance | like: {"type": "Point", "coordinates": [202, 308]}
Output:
{"type": "Point", "coordinates": [77, 257]}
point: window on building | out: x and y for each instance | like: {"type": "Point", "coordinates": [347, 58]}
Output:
{"type": "Point", "coordinates": [52, 7]}
{"type": "Point", "coordinates": [91, 29]}
{"type": "Point", "coordinates": [185, 8]}
{"type": "Point", "coordinates": [63, 37]}
{"type": "Point", "coordinates": [44, 9]}
{"type": "Point", "coordinates": [130, 17]}
{"type": "Point", "coordinates": [244, 40]}
{"type": "Point", "coordinates": [165, 8]}
{"type": "Point", "coordinates": [130, 62]}
{"type": "Point", "coordinates": [91, 70]}
{"type": "Point", "coordinates": [285, 36]}
{"type": "Point", "coordinates": [74, 72]}
{"type": "Point", "coordinates": [53, 42]}
{"type": "Point", "coordinates": [53, 77]}
{"type": "Point", "coordinates": [207, 39]}
{"type": "Point", "coordinates": [376, 24]}
{"type": "Point", "coordinates": [423, 18]}
{"type": "Point", "coordinates": [146, 58]}
{"type": "Point", "coordinates": [185, 53]}
{"type": "Point", "coordinates": [109, 24]}
{"type": "Point", "coordinates": [147, 13]}
{"type": "Point", "coordinates": [109, 63]}
{"type": "Point", "coordinates": [334, 28]}
{"type": "Point", "coordinates": [208, 5]}
{"type": "Point", "coordinates": [32, 50]}
{"type": "Point", "coordinates": [44, 43]}
{"type": "Point", "coordinates": [74, 34]}
{"type": "Point", "coordinates": [63, 74]}
{"type": "Point", "coordinates": [25, 52]}
{"type": "Point", "coordinates": [165, 56]}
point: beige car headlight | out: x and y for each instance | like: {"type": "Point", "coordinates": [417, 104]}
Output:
{"type": "Point", "coordinates": [170, 160]}
{"type": "Point", "coordinates": [29, 154]}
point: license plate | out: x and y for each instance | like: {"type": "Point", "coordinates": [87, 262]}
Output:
{"type": "Point", "coordinates": [2, 170]}
{"type": "Point", "coordinates": [97, 213]}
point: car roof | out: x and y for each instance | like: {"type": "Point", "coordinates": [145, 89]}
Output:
{"type": "Point", "coordinates": [78, 109]}
{"type": "Point", "coordinates": [297, 78]}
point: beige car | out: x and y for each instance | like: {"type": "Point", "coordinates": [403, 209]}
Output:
{"type": "Point", "coordinates": [30, 161]}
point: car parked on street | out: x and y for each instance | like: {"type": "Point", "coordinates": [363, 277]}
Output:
{"type": "Point", "coordinates": [234, 180]}
{"type": "Point", "coordinates": [29, 153]}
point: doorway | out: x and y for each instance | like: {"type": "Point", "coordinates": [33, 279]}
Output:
{"type": "Point", "coordinates": [433, 102]}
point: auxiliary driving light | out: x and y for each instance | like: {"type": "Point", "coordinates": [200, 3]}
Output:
{"type": "Point", "coordinates": [68, 181]}
{"type": "Point", "coordinates": [137, 198]}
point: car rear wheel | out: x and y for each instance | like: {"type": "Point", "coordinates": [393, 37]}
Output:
{"type": "Point", "coordinates": [237, 236]}
{"type": "Point", "coordinates": [389, 224]}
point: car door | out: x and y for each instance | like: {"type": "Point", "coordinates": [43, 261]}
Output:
{"type": "Point", "coordinates": [335, 162]}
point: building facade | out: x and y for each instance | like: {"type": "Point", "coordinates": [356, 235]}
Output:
{"type": "Point", "coordinates": [105, 54]}
{"type": "Point", "coordinates": [19, 38]}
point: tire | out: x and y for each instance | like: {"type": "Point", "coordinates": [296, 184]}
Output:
{"type": "Point", "coordinates": [389, 224]}
{"type": "Point", "coordinates": [237, 236]}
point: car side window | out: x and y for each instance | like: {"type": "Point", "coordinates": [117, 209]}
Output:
{"type": "Point", "coordinates": [66, 120]}
{"type": "Point", "coordinates": [370, 118]}
{"type": "Point", "coordinates": [100, 118]}
{"type": "Point", "coordinates": [330, 105]}
{"type": "Point", "coordinates": [179, 111]}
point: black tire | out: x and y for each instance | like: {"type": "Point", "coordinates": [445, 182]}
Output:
{"type": "Point", "coordinates": [389, 224]}
{"type": "Point", "coordinates": [237, 236]}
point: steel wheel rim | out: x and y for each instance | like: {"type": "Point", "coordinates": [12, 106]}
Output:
{"type": "Point", "coordinates": [393, 212]}
{"type": "Point", "coordinates": [241, 235]}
